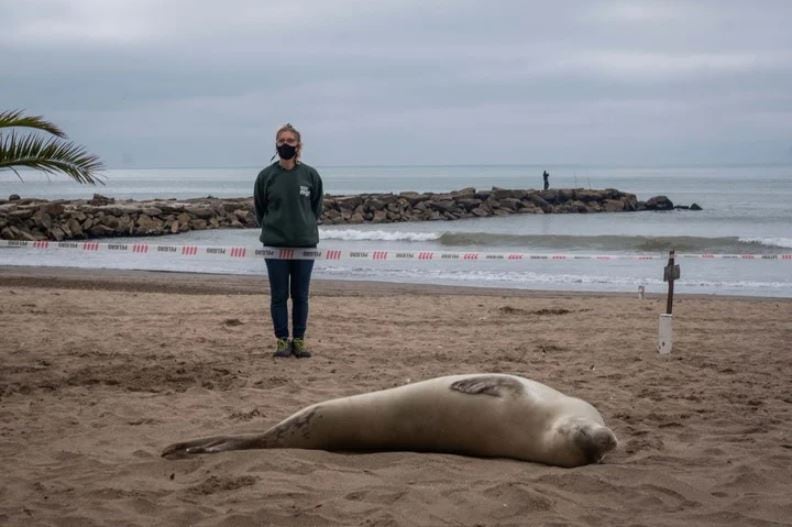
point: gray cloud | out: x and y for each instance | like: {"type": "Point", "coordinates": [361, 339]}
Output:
{"type": "Point", "coordinates": [150, 83]}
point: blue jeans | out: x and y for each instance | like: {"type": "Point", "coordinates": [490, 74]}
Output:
{"type": "Point", "coordinates": [287, 276]}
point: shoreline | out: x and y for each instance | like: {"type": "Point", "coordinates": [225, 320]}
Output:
{"type": "Point", "coordinates": [233, 284]}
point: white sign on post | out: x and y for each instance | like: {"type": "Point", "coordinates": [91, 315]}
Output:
{"type": "Point", "coordinates": [665, 334]}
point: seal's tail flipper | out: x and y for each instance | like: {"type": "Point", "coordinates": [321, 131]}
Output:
{"type": "Point", "coordinates": [208, 445]}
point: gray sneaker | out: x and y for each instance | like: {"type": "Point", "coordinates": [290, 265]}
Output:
{"type": "Point", "coordinates": [282, 349]}
{"type": "Point", "coordinates": [299, 350]}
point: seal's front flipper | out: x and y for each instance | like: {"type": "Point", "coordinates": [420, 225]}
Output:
{"type": "Point", "coordinates": [209, 445]}
{"type": "Point", "coordinates": [493, 385]}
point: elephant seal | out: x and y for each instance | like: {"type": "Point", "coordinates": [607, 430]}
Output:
{"type": "Point", "coordinates": [483, 415]}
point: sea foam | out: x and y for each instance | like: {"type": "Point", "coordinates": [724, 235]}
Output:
{"type": "Point", "coordinates": [770, 242]}
{"type": "Point", "coordinates": [379, 235]}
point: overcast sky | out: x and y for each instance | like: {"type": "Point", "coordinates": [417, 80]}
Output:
{"type": "Point", "coordinates": [147, 83]}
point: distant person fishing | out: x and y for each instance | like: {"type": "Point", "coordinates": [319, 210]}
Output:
{"type": "Point", "coordinates": [546, 179]}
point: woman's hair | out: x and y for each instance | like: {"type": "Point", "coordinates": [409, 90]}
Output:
{"type": "Point", "coordinates": [289, 128]}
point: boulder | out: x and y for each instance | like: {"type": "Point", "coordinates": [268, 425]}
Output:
{"type": "Point", "coordinates": [75, 228]}
{"type": "Point", "coordinates": [465, 193]}
{"type": "Point", "coordinates": [57, 234]}
{"type": "Point", "coordinates": [331, 215]}
{"type": "Point", "coordinates": [443, 205]}
{"type": "Point", "coordinates": [551, 196]}
{"type": "Point", "coordinates": [538, 201]}
{"type": "Point", "coordinates": [375, 204]}
{"type": "Point", "coordinates": [348, 202]}
{"type": "Point", "coordinates": [588, 195]}
{"type": "Point", "coordinates": [21, 213]}
{"type": "Point", "coordinates": [148, 225]}
{"type": "Point", "coordinates": [659, 203]}
{"type": "Point", "coordinates": [98, 200]}
{"type": "Point", "coordinates": [101, 231]}
{"type": "Point", "coordinates": [151, 211]}
{"type": "Point", "coordinates": [501, 193]}
{"type": "Point", "coordinates": [203, 213]}
{"type": "Point", "coordinates": [42, 219]}
{"type": "Point", "coordinates": [53, 209]}
{"type": "Point", "coordinates": [613, 205]}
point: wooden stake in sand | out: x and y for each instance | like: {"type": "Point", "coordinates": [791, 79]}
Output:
{"type": "Point", "coordinates": [665, 331]}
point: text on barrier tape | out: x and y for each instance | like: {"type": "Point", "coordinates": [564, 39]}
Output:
{"type": "Point", "coordinates": [288, 253]}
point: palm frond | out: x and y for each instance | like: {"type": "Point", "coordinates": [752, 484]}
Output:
{"type": "Point", "coordinates": [15, 118]}
{"type": "Point", "coordinates": [51, 156]}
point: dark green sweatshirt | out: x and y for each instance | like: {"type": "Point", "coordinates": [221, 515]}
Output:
{"type": "Point", "coordinates": [288, 205]}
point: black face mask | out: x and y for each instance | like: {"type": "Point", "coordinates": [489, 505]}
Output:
{"type": "Point", "coordinates": [286, 151]}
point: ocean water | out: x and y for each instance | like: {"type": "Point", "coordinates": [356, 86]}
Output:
{"type": "Point", "coordinates": [746, 210]}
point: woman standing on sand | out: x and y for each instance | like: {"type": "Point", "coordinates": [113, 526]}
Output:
{"type": "Point", "coordinates": [288, 201]}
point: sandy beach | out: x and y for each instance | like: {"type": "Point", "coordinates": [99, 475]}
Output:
{"type": "Point", "coordinates": [100, 370]}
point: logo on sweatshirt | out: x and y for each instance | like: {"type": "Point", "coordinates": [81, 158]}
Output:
{"type": "Point", "coordinates": [305, 191]}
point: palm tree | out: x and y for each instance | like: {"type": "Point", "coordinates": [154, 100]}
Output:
{"type": "Point", "coordinates": [54, 154]}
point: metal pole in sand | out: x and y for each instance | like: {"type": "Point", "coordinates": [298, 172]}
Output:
{"type": "Point", "coordinates": [665, 332]}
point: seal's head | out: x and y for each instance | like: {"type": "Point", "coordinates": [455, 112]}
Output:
{"type": "Point", "coordinates": [593, 440]}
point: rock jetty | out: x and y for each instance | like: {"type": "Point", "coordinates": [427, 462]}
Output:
{"type": "Point", "coordinates": [102, 217]}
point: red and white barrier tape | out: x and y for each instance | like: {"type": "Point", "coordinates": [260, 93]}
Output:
{"type": "Point", "coordinates": [284, 253]}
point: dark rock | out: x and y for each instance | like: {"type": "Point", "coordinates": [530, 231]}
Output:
{"type": "Point", "coordinates": [75, 228]}
{"type": "Point", "coordinates": [42, 219]}
{"type": "Point", "coordinates": [465, 193]}
{"type": "Point", "coordinates": [588, 195]}
{"type": "Point", "coordinates": [375, 204]}
{"type": "Point", "coordinates": [151, 211]}
{"type": "Point", "coordinates": [566, 194]}
{"type": "Point", "coordinates": [203, 213]}
{"type": "Point", "coordinates": [101, 231]}
{"type": "Point", "coordinates": [659, 203]}
{"type": "Point", "coordinates": [348, 202]}
{"type": "Point", "coordinates": [537, 200]}
{"type": "Point", "coordinates": [98, 199]}
{"type": "Point", "coordinates": [550, 195]}
{"type": "Point", "coordinates": [21, 213]}
{"type": "Point", "coordinates": [443, 205]}
{"type": "Point", "coordinates": [613, 205]}
{"type": "Point", "coordinates": [54, 209]}
{"type": "Point", "coordinates": [511, 203]}
{"type": "Point", "coordinates": [468, 203]}
{"type": "Point", "coordinates": [501, 193]}
{"type": "Point", "coordinates": [630, 202]}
